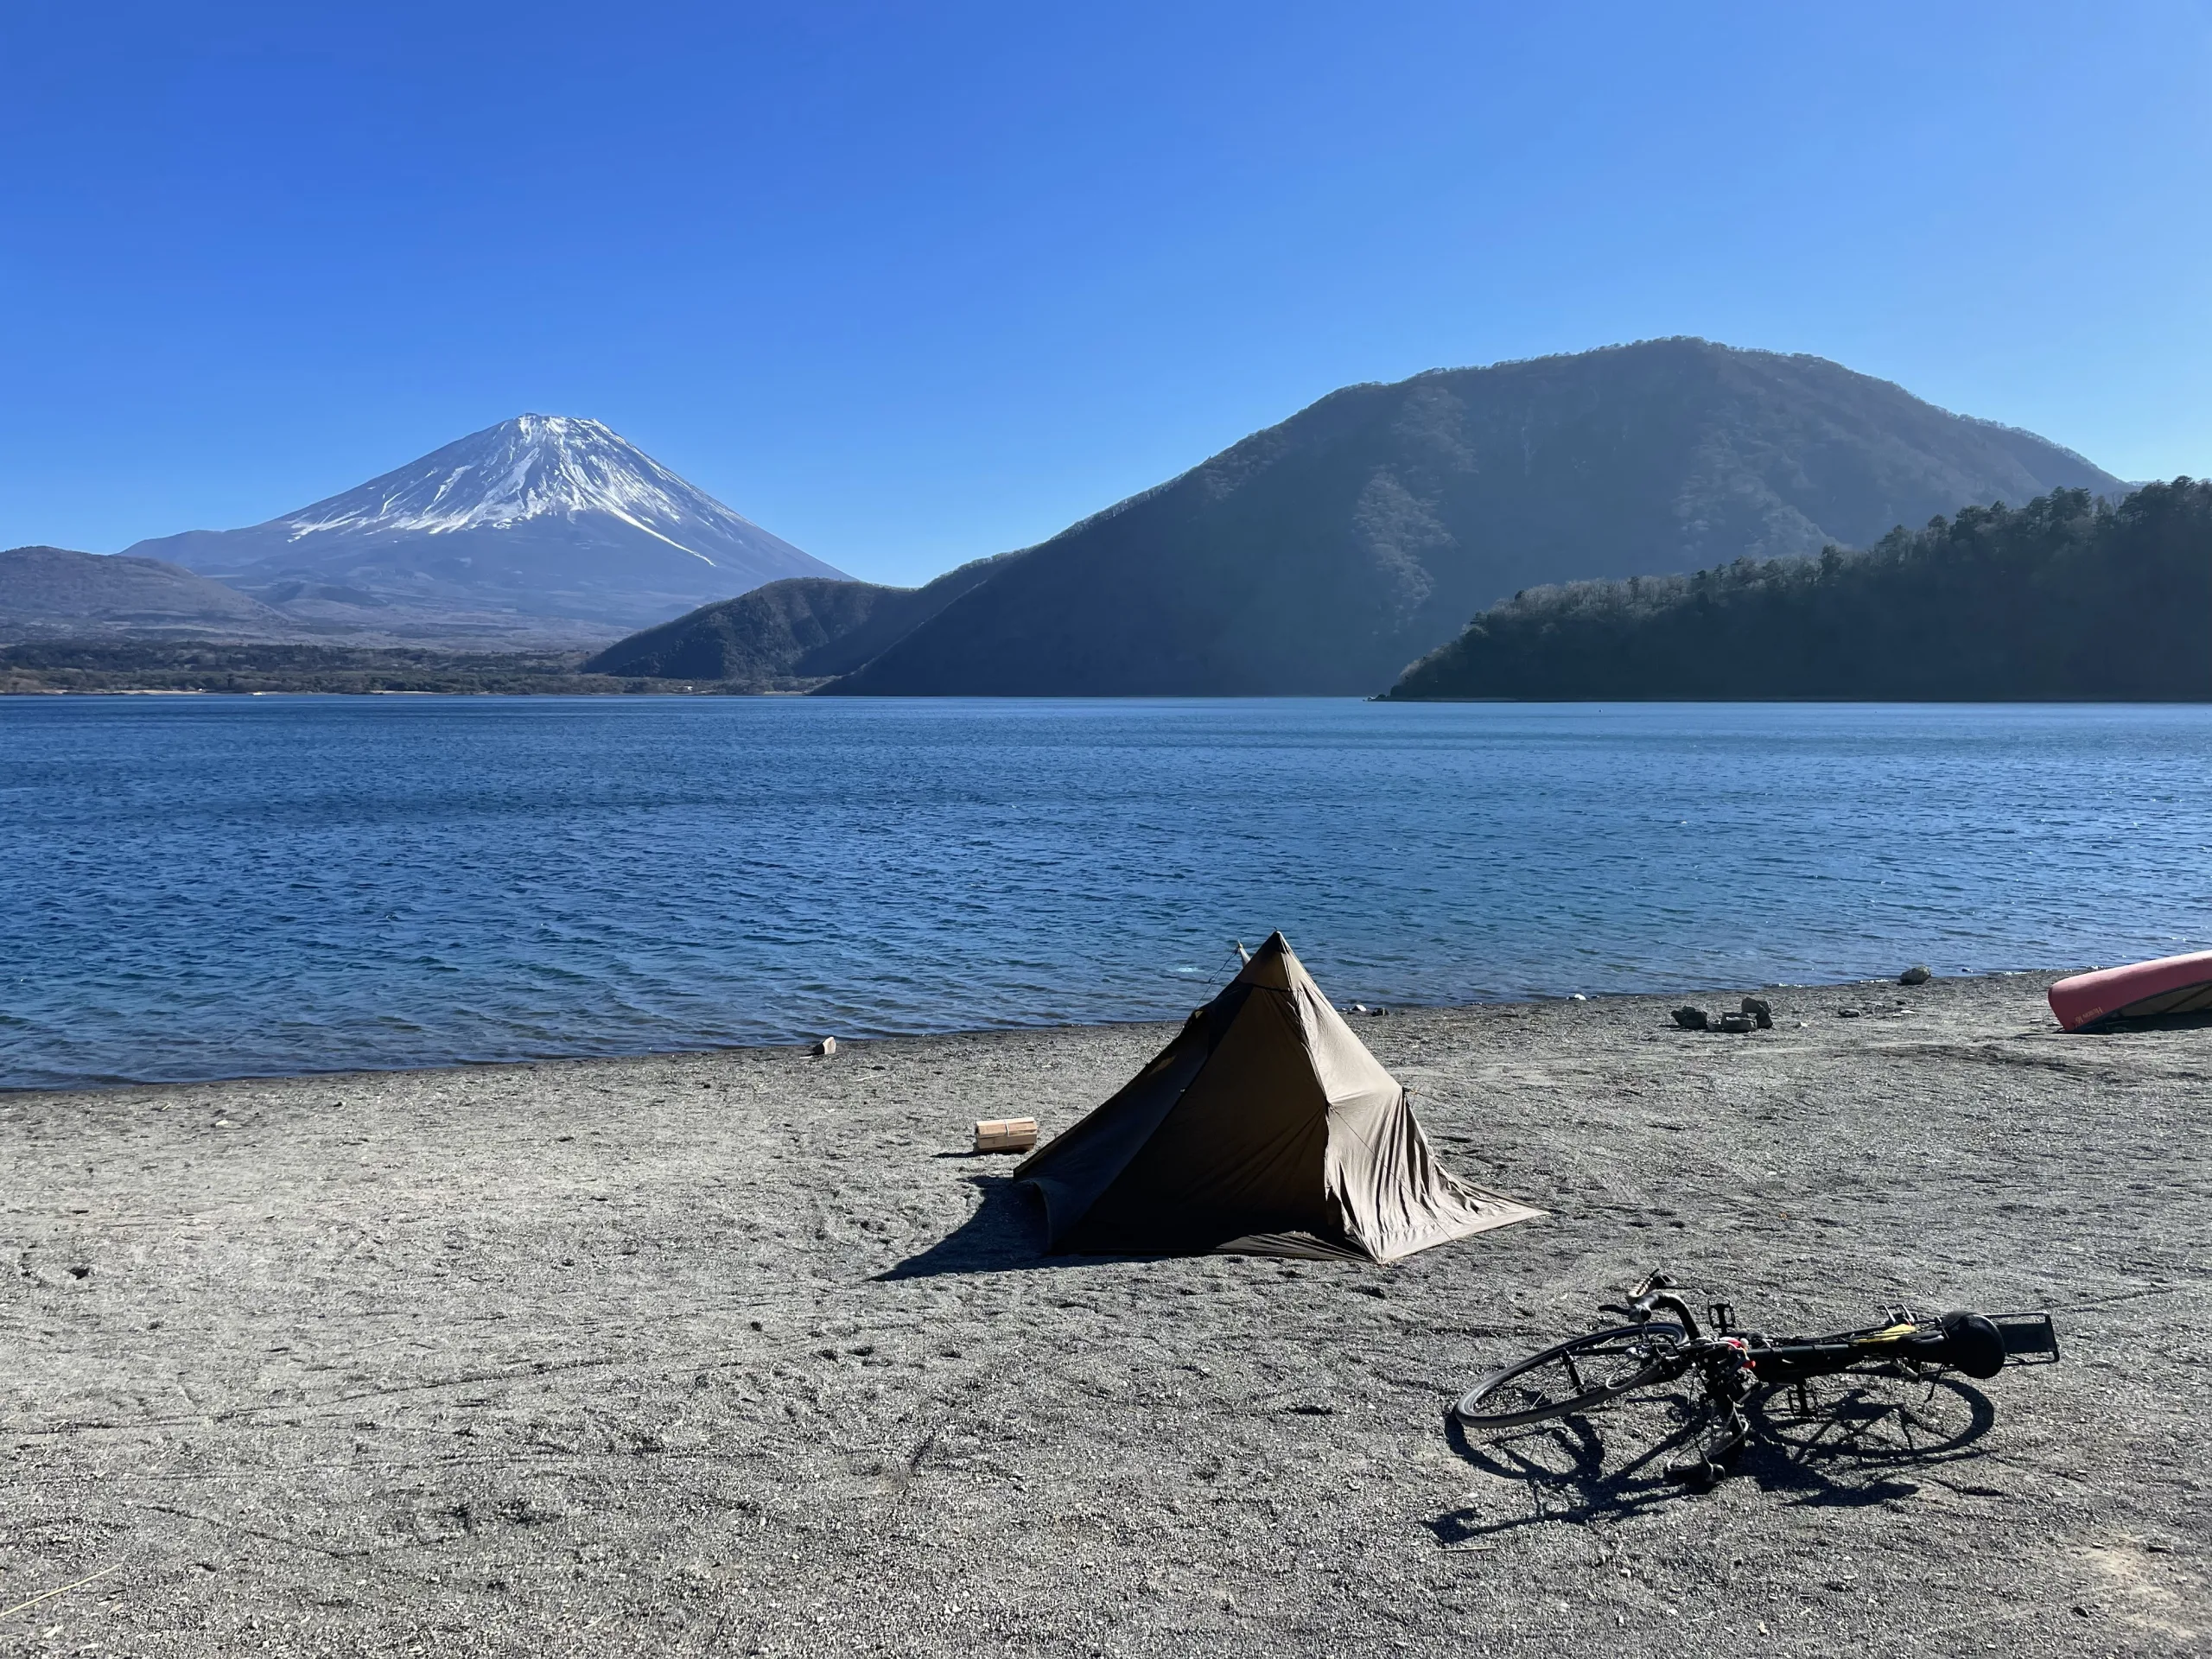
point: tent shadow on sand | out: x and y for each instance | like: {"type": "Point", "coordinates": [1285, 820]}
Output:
{"type": "Point", "coordinates": [1005, 1235]}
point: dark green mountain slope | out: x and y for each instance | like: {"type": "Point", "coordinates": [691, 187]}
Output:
{"type": "Point", "coordinates": [802, 628]}
{"type": "Point", "coordinates": [1324, 554]}
{"type": "Point", "coordinates": [2065, 598]}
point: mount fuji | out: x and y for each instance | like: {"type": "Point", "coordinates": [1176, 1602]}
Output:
{"type": "Point", "coordinates": [543, 526]}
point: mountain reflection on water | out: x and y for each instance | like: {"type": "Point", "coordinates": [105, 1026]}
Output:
{"type": "Point", "coordinates": [201, 887]}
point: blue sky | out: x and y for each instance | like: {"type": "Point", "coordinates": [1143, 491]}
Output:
{"type": "Point", "coordinates": [914, 283]}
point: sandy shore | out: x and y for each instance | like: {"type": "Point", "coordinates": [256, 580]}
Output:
{"type": "Point", "coordinates": [734, 1353]}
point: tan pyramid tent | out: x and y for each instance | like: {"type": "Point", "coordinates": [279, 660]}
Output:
{"type": "Point", "coordinates": [1265, 1126]}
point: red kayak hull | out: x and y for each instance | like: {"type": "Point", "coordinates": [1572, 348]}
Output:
{"type": "Point", "coordinates": [2169, 985]}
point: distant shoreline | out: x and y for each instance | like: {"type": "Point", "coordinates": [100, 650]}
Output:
{"type": "Point", "coordinates": [687, 692]}
{"type": "Point", "coordinates": [119, 667]}
{"type": "Point", "coordinates": [97, 667]}
{"type": "Point", "coordinates": [592, 686]}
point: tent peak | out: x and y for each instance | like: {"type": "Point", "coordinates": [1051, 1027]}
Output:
{"type": "Point", "coordinates": [1274, 965]}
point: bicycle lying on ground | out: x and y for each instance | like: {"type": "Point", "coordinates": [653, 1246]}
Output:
{"type": "Point", "coordinates": [1664, 1342]}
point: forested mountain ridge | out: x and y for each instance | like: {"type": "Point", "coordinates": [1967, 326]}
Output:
{"type": "Point", "coordinates": [2068, 597]}
{"type": "Point", "coordinates": [1324, 554]}
{"type": "Point", "coordinates": [803, 628]}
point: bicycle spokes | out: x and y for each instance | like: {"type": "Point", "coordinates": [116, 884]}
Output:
{"type": "Point", "coordinates": [1578, 1373]}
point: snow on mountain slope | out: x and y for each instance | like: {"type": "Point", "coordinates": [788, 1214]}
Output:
{"type": "Point", "coordinates": [544, 516]}
{"type": "Point", "coordinates": [528, 468]}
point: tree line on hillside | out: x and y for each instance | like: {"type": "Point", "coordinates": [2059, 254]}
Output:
{"type": "Point", "coordinates": [2067, 597]}
{"type": "Point", "coordinates": [96, 665]}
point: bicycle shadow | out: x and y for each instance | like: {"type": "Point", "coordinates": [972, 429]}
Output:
{"type": "Point", "coordinates": [1851, 1453]}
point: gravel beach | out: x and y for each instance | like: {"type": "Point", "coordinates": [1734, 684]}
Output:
{"type": "Point", "coordinates": [741, 1352]}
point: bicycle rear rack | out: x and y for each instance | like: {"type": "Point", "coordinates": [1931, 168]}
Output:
{"type": "Point", "coordinates": [2030, 1339]}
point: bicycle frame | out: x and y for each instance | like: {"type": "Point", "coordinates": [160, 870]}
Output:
{"type": "Point", "coordinates": [1736, 1362]}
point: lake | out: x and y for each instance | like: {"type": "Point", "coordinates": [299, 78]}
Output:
{"type": "Point", "coordinates": [205, 886]}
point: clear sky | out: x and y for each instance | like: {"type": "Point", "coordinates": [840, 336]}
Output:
{"type": "Point", "coordinates": [912, 284]}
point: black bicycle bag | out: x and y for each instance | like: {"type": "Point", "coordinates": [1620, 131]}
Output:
{"type": "Point", "coordinates": [1969, 1343]}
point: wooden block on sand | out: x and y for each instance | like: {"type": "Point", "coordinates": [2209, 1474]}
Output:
{"type": "Point", "coordinates": [1005, 1133]}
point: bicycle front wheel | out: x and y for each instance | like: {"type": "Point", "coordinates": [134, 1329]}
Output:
{"type": "Point", "coordinates": [1574, 1377]}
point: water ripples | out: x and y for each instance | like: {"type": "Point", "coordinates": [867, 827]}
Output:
{"type": "Point", "coordinates": [213, 887]}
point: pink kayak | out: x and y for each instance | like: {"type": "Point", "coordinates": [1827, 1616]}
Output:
{"type": "Point", "coordinates": [2169, 985]}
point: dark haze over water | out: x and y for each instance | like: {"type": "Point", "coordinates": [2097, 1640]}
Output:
{"type": "Point", "coordinates": [203, 887]}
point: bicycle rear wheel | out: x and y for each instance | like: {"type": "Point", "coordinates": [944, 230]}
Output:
{"type": "Point", "coordinates": [1574, 1377]}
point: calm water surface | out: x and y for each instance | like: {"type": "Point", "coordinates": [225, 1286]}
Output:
{"type": "Point", "coordinates": [215, 886]}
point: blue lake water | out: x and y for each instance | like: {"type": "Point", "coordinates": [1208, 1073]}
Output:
{"type": "Point", "coordinates": [198, 887]}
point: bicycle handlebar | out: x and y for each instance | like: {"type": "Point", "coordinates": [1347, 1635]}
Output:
{"type": "Point", "coordinates": [1664, 1301]}
{"type": "Point", "coordinates": [1653, 1296]}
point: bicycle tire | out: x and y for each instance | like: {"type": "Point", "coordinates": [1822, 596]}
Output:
{"type": "Point", "coordinates": [1631, 1345]}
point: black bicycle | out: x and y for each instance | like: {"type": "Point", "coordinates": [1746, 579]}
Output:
{"type": "Point", "coordinates": [1664, 1342]}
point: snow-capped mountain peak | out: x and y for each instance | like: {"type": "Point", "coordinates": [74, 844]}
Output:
{"type": "Point", "coordinates": [528, 467]}
{"type": "Point", "coordinates": [541, 516]}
